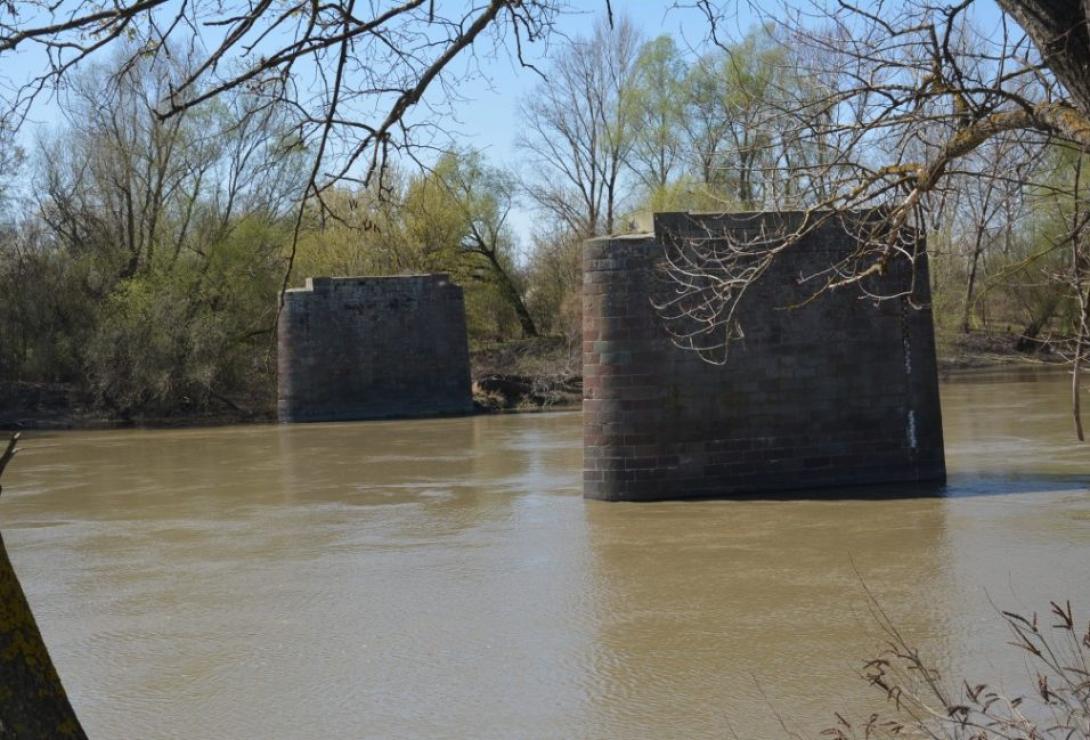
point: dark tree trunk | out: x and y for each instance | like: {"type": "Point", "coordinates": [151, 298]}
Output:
{"type": "Point", "coordinates": [507, 285]}
{"type": "Point", "coordinates": [33, 703]}
{"type": "Point", "coordinates": [526, 321]}
{"type": "Point", "coordinates": [1059, 30]}
{"type": "Point", "coordinates": [970, 284]}
{"type": "Point", "coordinates": [1028, 341]}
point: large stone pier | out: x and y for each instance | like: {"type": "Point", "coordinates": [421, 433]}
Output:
{"type": "Point", "coordinates": [373, 348]}
{"type": "Point", "coordinates": [835, 393]}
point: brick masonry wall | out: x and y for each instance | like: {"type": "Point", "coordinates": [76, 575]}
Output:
{"type": "Point", "coordinates": [836, 393]}
{"type": "Point", "coordinates": [372, 348]}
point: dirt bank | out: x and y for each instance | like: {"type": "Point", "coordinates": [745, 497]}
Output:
{"type": "Point", "coordinates": [958, 351]}
{"type": "Point", "coordinates": [527, 375]}
{"type": "Point", "coordinates": [62, 406]}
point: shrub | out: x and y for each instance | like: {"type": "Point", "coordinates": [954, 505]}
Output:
{"type": "Point", "coordinates": [927, 705]}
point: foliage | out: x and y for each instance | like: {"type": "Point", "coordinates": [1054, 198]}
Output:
{"type": "Point", "coordinates": [555, 274]}
{"type": "Point", "coordinates": [183, 339]}
{"type": "Point", "coordinates": [451, 218]}
{"type": "Point", "coordinates": [146, 272]}
{"type": "Point", "coordinates": [172, 234]}
{"type": "Point", "coordinates": [658, 108]}
{"type": "Point", "coordinates": [622, 128]}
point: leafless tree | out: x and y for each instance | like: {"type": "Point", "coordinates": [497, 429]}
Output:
{"type": "Point", "coordinates": [135, 190]}
{"type": "Point", "coordinates": [1077, 279]}
{"type": "Point", "coordinates": [352, 69]}
{"type": "Point", "coordinates": [11, 157]}
{"type": "Point", "coordinates": [33, 702]}
{"type": "Point", "coordinates": [909, 93]}
{"type": "Point", "coordinates": [356, 73]}
{"type": "Point", "coordinates": [1062, 261]}
{"type": "Point", "coordinates": [579, 129]}
{"type": "Point", "coordinates": [985, 213]}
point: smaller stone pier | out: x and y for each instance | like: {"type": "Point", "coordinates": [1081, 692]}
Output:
{"type": "Point", "coordinates": [373, 348]}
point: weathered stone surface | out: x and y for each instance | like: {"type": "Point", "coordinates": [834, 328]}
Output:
{"type": "Point", "coordinates": [838, 392]}
{"type": "Point", "coordinates": [372, 348]}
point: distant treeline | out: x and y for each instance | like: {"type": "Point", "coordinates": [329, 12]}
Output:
{"type": "Point", "coordinates": [141, 258]}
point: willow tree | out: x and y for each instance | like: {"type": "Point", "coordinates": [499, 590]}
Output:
{"type": "Point", "coordinates": [482, 197]}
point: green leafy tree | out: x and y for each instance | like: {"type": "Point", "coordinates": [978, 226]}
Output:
{"type": "Point", "coordinates": [731, 121]}
{"type": "Point", "coordinates": [452, 218]}
{"type": "Point", "coordinates": [484, 196]}
{"type": "Point", "coordinates": [457, 215]}
{"type": "Point", "coordinates": [149, 272]}
{"type": "Point", "coordinates": [657, 110]}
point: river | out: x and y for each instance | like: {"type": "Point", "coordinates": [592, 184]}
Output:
{"type": "Point", "coordinates": [444, 578]}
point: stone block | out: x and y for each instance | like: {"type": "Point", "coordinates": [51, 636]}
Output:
{"type": "Point", "coordinates": [839, 392]}
{"type": "Point", "coordinates": [373, 348]}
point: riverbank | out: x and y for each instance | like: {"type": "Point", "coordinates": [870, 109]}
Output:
{"type": "Point", "coordinates": [540, 374]}
{"type": "Point", "coordinates": [984, 349]}
{"type": "Point", "coordinates": [26, 405]}
{"type": "Point", "coordinates": [527, 375]}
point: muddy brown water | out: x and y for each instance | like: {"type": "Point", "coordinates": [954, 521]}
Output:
{"type": "Point", "coordinates": [444, 578]}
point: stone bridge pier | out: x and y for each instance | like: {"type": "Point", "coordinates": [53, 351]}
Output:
{"type": "Point", "coordinates": [373, 348]}
{"type": "Point", "coordinates": [836, 393]}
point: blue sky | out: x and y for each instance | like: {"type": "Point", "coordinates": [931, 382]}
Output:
{"type": "Point", "coordinates": [490, 122]}
{"type": "Point", "coordinates": [487, 117]}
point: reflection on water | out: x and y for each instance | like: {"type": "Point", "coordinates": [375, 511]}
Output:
{"type": "Point", "coordinates": [445, 578]}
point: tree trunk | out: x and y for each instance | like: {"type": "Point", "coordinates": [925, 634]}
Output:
{"type": "Point", "coordinates": [970, 283]}
{"type": "Point", "coordinates": [1076, 365]}
{"type": "Point", "coordinates": [33, 703]}
{"type": "Point", "coordinates": [514, 297]}
{"type": "Point", "coordinates": [526, 321]}
{"type": "Point", "coordinates": [1059, 30]}
{"type": "Point", "coordinates": [1028, 341]}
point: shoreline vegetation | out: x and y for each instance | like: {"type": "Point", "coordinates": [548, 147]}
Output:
{"type": "Point", "coordinates": [139, 266]}
{"type": "Point", "coordinates": [529, 375]}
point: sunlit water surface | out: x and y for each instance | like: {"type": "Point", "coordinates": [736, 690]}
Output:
{"type": "Point", "coordinates": [445, 578]}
